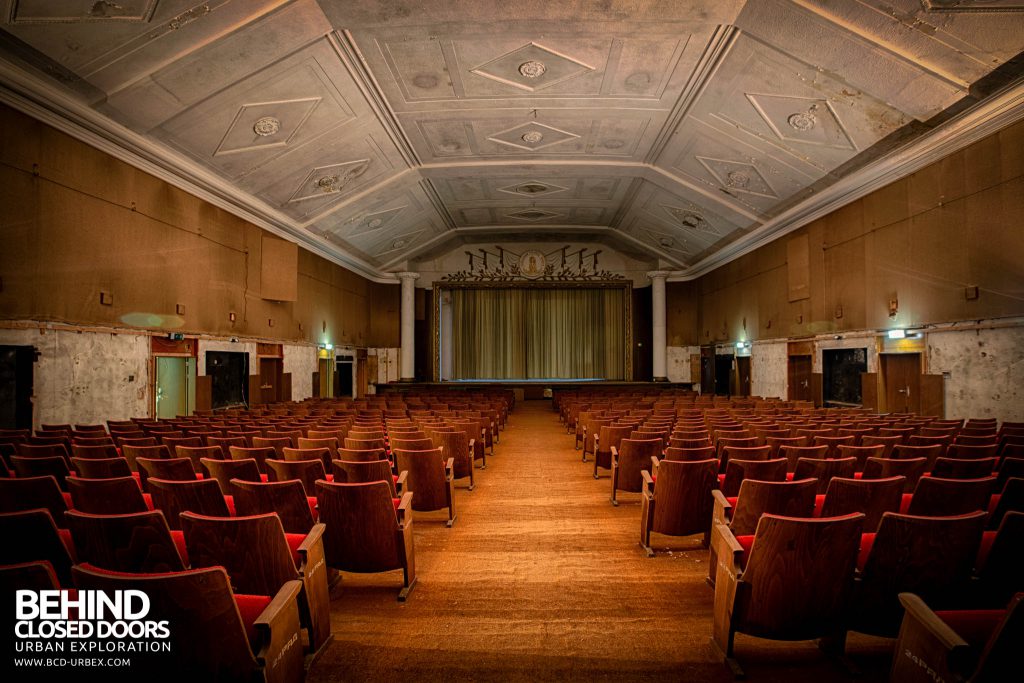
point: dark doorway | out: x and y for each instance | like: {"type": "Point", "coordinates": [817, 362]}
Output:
{"type": "Point", "coordinates": [16, 386]}
{"type": "Point", "coordinates": [344, 377]}
{"type": "Point", "coordinates": [743, 373]}
{"type": "Point", "coordinates": [723, 374]}
{"type": "Point", "coordinates": [901, 374]}
{"type": "Point", "coordinates": [229, 378]}
{"type": "Point", "coordinates": [799, 378]}
{"type": "Point", "coordinates": [841, 371]}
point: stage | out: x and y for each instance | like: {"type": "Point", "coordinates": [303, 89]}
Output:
{"type": "Point", "coordinates": [531, 389]}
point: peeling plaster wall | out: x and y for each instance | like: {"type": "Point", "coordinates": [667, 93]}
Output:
{"type": "Point", "coordinates": [769, 369]}
{"type": "Point", "coordinates": [679, 363]}
{"type": "Point", "coordinates": [301, 362]}
{"type": "Point", "coordinates": [86, 377]}
{"type": "Point", "coordinates": [986, 371]}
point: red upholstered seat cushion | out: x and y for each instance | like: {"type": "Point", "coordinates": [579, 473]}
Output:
{"type": "Point", "coordinates": [294, 541]}
{"type": "Point", "coordinates": [866, 541]}
{"type": "Point", "coordinates": [230, 502]}
{"type": "Point", "coordinates": [397, 502]}
{"type": "Point", "coordinates": [179, 541]}
{"type": "Point", "coordinates": [858, 475]}
{"type": "Point", "coordinates": [149, 501]}
{"type": "Point", "coordinates": [789, 476]}
{"type": "Point", "coordinates": [721, 480]}
{"type": "Point", "coordinates": [330, 477]}
{"type": "Point", "coordinates": [732, 500]}
{"type": "Point", "coordinates": [251, 607]}
{"type": "Point", "coordinates": [747, 541]}
{"type": "Point", "coordinates": [974, 626]}
{"type": "Point", "coordinates": [138, 481]}
{"type": "Point", "coordinates": [905, 503]}
{"type": "Point", "coordinates": [312, 508]}
{"type": "Point", "coordinates": [263, 478]}
{"type": "Point", "coordinates": [987, 539]}
{"type": "Point", "coordinates": [69, 542]}
{"type": "Point", "coordinates": [819, 503]}
{"type": "Point", "coordinates": [67, 500]}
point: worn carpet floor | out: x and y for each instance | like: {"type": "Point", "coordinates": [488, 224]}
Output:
{"type": "Point", "coordinates": [542, 579]}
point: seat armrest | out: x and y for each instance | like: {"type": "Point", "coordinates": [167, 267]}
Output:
{"type": "Point", "coordinates": [722, 512]}
{"type": "Point", "coordinates": [615, 455]}
{"type": "Point", "coordinates": [313, 538]}
{"type": "Point", "coordinates": [449, 469]}
{"type": "Point", "coordinates": [404, 507]}
{"type": "Point", "coordinates": [926, 643]}
{"type": "Point", "coordinates": [400, 484]}
{"type": "Point", "coordinates": [472, 445]}
{"type": "Point", "coordinates": [648, 490]}
{"type": "Point", "coordinates": [277, 628]}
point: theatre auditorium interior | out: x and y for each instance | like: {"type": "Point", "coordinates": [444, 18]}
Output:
{"type": "Point", "coordinates": [422, 340]}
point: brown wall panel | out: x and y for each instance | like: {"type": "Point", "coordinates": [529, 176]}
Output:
{"type": "Point", "coordinates": [77, 221]}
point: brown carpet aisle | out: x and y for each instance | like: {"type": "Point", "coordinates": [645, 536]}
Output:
{"type": "Point", "coordinates": [542, 579]}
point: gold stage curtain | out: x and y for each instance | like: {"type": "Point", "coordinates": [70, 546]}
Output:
{"type": "Point", "coordinates": [522, 333]}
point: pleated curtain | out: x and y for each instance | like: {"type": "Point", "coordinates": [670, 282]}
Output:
{"type": "Point", "coordinates": [510, 333]}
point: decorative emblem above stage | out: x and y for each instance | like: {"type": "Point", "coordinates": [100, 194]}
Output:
{"type": "Point", "coordinates": [533, 265]}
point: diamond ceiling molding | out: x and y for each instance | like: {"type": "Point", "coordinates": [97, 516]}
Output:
{"type": "Point", "coordinates": [532, 136]}
{"type": "Point", "coordinates": [74, 11]}
{"type": "Point", "coordinates": [807, 120]}
{"type": "Point", "coordinates": [532, 67]}
{"type": "Point", "coordinates": [738, 176]}
{"type": "Point", "coordinates": [663, 240]}
{"type": "Point", "coordinates": [327, 180]}
{"type": "Point", "coordinates": [533, 188]}
{"type": "Point", "coordinates": [533, 215]}
{"type": "Point", "coordinates": [398, 243]}
{"type": "Point", "coordinates": [691, 217]}
{"type": "Point", "coordinates": [372, 222]}
{"type": "Point", "coordinates": [265, 125]}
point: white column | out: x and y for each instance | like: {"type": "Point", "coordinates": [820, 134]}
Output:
{"type": "Point", "coordinates": [408, 358]}
{"type": "Point", "coordinates": [446, 336]}
{"type": "Point", "coordinates": [659, 340]}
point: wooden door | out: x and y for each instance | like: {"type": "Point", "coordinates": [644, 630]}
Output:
{"type": "Point", "coordinates": [799, 378]}
{"type": "Point", "coordinates": [270, 380]}
{"type": "Point", "coordinates": [743, 372]}
{"type": "Point", "coordinates": [902, 378]}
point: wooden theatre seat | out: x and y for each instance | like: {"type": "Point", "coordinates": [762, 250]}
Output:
{"type": "Point", "coordinates": [430, 476]}
{"type": "Point", "coordinates": [132, 542]}
{"type": "Point", "coordinates": [792, 580]}
{"type": "Point", "coordinates": [260, 557]}
{"type": "Point", "coordinates": [679, 502]}
{"type": "Point", "coordinates": [366, 531]}
{"type": "Point", "coordinates": [224, 635]}
{"type": "Point", "coordinates": [628, 461]}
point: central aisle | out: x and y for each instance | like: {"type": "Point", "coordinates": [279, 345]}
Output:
{"type": "Point", "coordinates": [540, 578]}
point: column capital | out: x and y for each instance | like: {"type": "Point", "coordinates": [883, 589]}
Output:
{"type": "Point", "coordinates": [659, 274]}
{"type": "Point", "coordinates": [407, 275]}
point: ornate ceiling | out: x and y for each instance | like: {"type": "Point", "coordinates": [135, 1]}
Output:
{"type": "Point", "coordinates": [383, 131]}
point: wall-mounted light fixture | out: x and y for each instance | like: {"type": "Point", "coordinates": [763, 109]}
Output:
{"type": "Point", "coordinates": [894, 307]}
